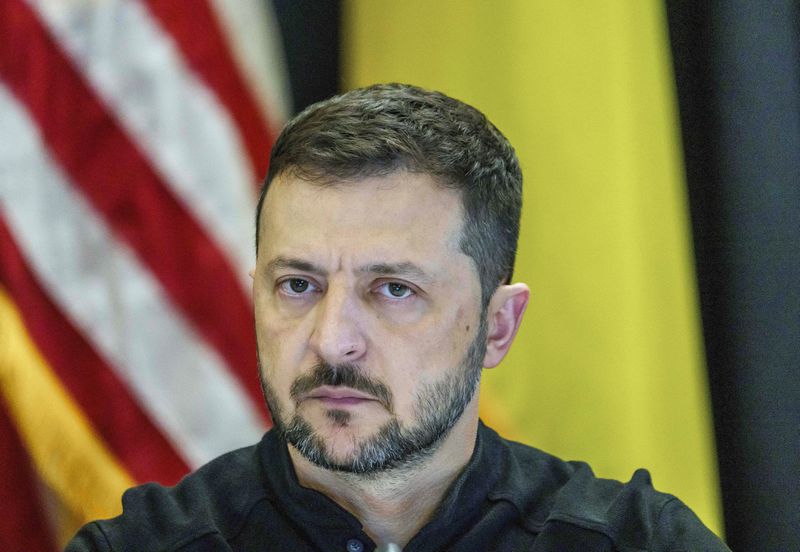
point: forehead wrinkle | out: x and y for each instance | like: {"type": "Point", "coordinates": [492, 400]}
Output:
{"type": "Point", "coordinates": [283, 263]}
{"type": "Point", "coordinates": [406, 269]}
{"type": "Point", "coordinates": [402, 269]}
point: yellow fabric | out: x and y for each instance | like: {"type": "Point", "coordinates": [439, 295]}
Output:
{"type": "Point", "coordinates": [608, 366]}
{"type": "Point", "coordinates": [79, 473]}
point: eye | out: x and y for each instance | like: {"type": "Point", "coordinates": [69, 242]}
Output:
{"type": "Point", "coordinates": [297, 286]}
{"type": "Point", "coordinates": [395, 290]}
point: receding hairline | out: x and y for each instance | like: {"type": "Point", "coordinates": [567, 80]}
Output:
{"type": "Point", "coordinates": [324, 180]}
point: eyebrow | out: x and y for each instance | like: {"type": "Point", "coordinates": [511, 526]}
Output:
{"type": "Point", "coordinates": [402, 269]}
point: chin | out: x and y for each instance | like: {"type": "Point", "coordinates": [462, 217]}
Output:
{"type": "Point", "coordinates": [341, 452]}
{"type": "Point", "coordinates": [345, 433]}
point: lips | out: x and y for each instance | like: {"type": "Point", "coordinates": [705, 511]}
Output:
{"type": "Point", "coordinates": [340, 396]}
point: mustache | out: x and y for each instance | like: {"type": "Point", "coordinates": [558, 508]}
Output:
{"type": "Point", "coordinates": [345, 375]}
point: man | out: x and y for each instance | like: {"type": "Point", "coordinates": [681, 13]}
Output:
{"type": "Point", "coordinates": [386, 235]}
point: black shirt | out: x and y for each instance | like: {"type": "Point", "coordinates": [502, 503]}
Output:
{"type": "Point", "coordinates": [510, 497]}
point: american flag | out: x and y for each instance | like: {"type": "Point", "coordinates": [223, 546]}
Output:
{"type": "Point", "coordinates": [133, 137]}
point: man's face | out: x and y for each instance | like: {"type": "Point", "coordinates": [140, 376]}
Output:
{"type": "Point", "coordinates": [367, 316]}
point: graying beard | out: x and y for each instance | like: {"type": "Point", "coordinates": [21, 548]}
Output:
{"type": "Point", "coordinates": [339, 417]}
{"type": "Point", "coordinates": [391, 447]}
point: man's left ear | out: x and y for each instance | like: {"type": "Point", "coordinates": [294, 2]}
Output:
{"type": "Point", "coordinates": [504, 317]}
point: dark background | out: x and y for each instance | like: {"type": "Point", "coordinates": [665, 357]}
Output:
{"type": "Point", "coordinates": [737, 68]}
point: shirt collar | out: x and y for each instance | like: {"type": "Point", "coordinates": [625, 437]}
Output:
{"type": "Point", "coordinates": [308, 507]}
{"type": "Point", "coordinates": [493, 473]}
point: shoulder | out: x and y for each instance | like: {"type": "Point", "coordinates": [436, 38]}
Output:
{"type": "Point", "coordinates": [633, 515]}
{"type": "Point", "coordinates": [550, 493]}
{"type": "Point", "coordinates": [213, 501]}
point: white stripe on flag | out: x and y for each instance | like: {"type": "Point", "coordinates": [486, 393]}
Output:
{"type": "Point", "coordinates": [98, 283]}
{"type": "Point", "coordinates": [187, 134]}
{"type": "Point", "coordinates": [254, 37]}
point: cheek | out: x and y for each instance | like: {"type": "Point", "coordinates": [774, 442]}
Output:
{"type": "Point", "coordinates": [280, 351]}
{"type": "Point", "coordinates": [425, 357]}
{"type": "Point", "coordinates": [272, 325]}
{"type": "Point", "coordinates": [282, 346]}
{"type": "Point", "coordinates": [445, 343]}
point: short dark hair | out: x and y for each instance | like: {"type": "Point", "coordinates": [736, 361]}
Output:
{"type": "Point", "coordinates": [384, 128]}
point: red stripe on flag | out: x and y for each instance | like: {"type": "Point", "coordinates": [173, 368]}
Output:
{"type": "Point", "coordinates": [202, 42]}
{"type": "Point", "coordinates": [119, 181]}
{"type": "Point", "coordinates": [105, 400]}
{"type": "Point", "coordinates": [22, 525]}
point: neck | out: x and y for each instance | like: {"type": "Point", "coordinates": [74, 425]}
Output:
{"type": "Point", "coordinates": [394, 505]}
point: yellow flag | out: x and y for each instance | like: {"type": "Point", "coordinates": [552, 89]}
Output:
{"type": "Point", "coordinates": [83, 479]}
{"type": "Point", "coordinates": [608, 366]}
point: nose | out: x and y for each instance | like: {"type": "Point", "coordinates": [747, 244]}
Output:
{"type": "Point", "coordinates": [337, 336]}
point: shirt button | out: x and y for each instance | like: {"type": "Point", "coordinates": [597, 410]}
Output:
{"type": "Point", "coordinates": [355, 545]}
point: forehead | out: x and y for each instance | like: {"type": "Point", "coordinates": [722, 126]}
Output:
{"type": "Point", "coordinates": [391, 216]}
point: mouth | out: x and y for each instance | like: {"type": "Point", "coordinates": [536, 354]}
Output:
{"type": "Point", "coordinates": [339, 397]}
